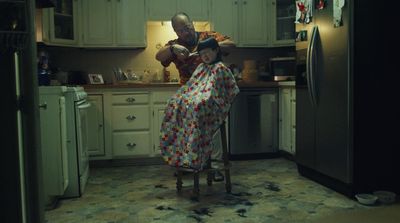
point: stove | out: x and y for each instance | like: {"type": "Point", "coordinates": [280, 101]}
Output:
{"type": "Point", "coordinates": [77, 137]}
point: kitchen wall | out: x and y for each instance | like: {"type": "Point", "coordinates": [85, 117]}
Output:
{"type": "Point", "coordinates": [103, 60]}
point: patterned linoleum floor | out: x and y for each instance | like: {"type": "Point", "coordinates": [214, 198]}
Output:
{"type": "Point", "coordinates": [267, 190]}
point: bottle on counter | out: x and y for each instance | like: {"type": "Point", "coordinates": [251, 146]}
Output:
{"type": "Point", "coordinates": [166, 75]}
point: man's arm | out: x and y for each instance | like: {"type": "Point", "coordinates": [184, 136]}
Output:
{"type": "Point", "coordinates": [167, 52]}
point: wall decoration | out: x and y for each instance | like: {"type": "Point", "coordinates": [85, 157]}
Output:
{"type": "Point", "coordinates": [304, 11]}
{"type": "Point", "coordinates": [337, 12]}
{"type": "Point", "coordinates": [95, 79]}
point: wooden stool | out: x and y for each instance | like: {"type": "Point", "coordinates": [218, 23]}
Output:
{"type": "Point", "coordinates": [209, 169]}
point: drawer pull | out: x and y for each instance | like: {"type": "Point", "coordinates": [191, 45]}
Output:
{"type": "Point", "coordinates": [131, 145]}
{"type": "Point", "coordinates": [131, 117]}
{"type": "Point", "coordinates": [130, 100]}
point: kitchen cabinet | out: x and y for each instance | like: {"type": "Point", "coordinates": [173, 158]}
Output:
{"type": "Point", "coordinates": [160, 99]}
{"type": "Point", "coordinates": [130, 123]}
{"type": "Point", "coordinates": [281, 14]}
{"type": "Point", "coordinates": [287, 119]}
{"type": "Point", "coordinates": [255, 23]}
{"type": "Point", "coordinates": [163, 10]}
{"type": "Point", "coordinates": [113, 23]}
{"type": "Point", "coordinates": [53, 132]}
{"type": "Point", "coordinates": [96, 126]}
{"type": "Point", "coordinates": [60, 24]}
{"type": "Point", "coordinates": [245, 21]}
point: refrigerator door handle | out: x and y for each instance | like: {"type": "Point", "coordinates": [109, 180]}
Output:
{"type": "Point", "coordinates": [309, 68]}
{"type": "Point", "coordinates": [312, 64]}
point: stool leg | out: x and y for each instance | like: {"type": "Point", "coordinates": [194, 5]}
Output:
{"type": "Point", "coordinates": [209, 173]}
{"type": "Point", "coordinates": [228, 185]}
{"type": "Point", "coordinates": [196, 189]}
{"type": "Point", "coordinates": [178, 181]}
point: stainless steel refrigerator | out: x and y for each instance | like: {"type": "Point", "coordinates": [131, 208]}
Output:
{"type": "Point", "coordinates": [21, 182]}
{"type": "Point", "coordinates": [343, 114]}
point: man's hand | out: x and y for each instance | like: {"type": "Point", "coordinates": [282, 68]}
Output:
{"type": "Point", "coordinates": [180, 51]}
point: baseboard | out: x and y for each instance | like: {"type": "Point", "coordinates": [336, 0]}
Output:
{"type": "Point", "coordinates": [143, 161]}
{"type": "Point", "coordinates": [254, 156]}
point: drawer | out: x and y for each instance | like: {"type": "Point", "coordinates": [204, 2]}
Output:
{"type": "Point", "coordinates": [162, 96]}
{"type": "Point", "coordinates": [131, 143]}
{"type": "Point", "coordinates": [130, 99]}
{"type": "Point", "coordinates": [130, 117]}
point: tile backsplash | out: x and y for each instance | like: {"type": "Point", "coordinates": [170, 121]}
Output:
{"type": "Point", "coordinates": [102, 61]}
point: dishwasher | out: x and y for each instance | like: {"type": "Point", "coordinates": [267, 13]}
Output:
{"type": "Point", "coordinates": [253, 124]}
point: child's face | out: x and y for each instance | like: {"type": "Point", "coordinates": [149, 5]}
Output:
{"type": "Point", "coordinates": [208, 55]}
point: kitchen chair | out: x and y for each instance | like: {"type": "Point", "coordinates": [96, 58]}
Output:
{"type": "Point", "coordinates": [226, 168]}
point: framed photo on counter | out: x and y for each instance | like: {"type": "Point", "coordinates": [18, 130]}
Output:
{"type": "Point", "coordinates": [95, 79]}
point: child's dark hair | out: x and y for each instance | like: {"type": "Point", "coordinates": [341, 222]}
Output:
{"type": "Point", "coordinates": [210, 43]}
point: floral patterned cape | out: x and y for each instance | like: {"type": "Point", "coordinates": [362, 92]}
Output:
{"type": "Point", "coordinates": [193, 115]}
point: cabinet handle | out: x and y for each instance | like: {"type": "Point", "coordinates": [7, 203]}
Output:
{"type": "Point", "coordinates": [235, 2]}
{"type": "Point", "coordinates": [43, 106]}
{"type": "Point", "coordinates": [130, 100]}
{"type": "Point", "coordinates": [244, 2]}
{"type": "Point", "coordinates": [130, 117]}
{"type": "Point", "coordinates": [100, 125]}
{"type": "Point", "coordinates": [131, 145]}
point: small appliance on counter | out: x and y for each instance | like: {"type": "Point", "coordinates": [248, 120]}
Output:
{"type": "Point", "coordinates": [283, 68]}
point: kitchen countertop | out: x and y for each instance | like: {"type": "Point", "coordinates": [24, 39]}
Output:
{"type": "Point", "coordinates": [241, 84]}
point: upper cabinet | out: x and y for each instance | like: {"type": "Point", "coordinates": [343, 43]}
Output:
{"type": "Point", "coordinates": [60, 24]}
{"type": "Point", "coordinates": [95, 23]}
{"type": "Point", "coordinates": [245, 21]}
{"type": "Point", "coordinates": [253, 23]}
{"type": "Point", "coordinates": [113, 23]}
{"type": "Point", "coordinates": [163, 10]}
{"type": "Point", "coordinates": [282, 16]}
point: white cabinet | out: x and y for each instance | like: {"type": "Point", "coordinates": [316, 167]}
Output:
{"type": "Point", "coordinates": [53, 131]}
{"type": "Point", "coordinates": [130, 124]}
{"type": "Point", "coordinates": [96, 126]}
{"type": "Point", "coordinates": [281, 14]}
{"type": "Point", "coordinates": [160, 99]}
{"type": "Point", "coordinates": [255, 23]}
{"type": "Point", "coordinates": [60, 24]}
{"type": "Point", "coordinates": [287, 119]}
{"type": "Point", "coordinates": [113, 23]}
{"type": "Point", "coordinates": [163, 10]}
{"type": "Point", "coordinates": [245, 21]}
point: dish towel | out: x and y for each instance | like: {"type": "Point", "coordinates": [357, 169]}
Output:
{"type": "Point", "coordinates": [194, 113]}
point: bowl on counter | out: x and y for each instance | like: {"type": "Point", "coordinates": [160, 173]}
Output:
{"type": "Point", "coordinates": [367, 199]}
{"type": "Point", "coordinates": [385, 197]}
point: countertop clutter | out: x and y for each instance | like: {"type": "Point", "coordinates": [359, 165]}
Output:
{"type": "Point", "coordinates": [241, 84]}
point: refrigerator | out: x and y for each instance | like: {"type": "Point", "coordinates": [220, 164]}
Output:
{"type": "Point", "coordinates": [344, 101]}
{"type": "Point", "coordinates": [21, 182]}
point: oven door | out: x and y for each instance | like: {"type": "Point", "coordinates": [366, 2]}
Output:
{"type": "Point", "coordinates": [81, 111]}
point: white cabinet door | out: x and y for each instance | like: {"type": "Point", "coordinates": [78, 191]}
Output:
{"type": "Point", "coordinates": [197, 10]}
{"type": "Point", "coordinates": [130, 23]}
{"type": "Point", "coordinates": [225, 23]}
{"type": "Point", "coordinates": [253, 23]}
{"type": "Point", "coordinates": [60, 24]}
{"type": "Point", "coordinates": [245, 21]}
{"type": "Point", "coordinates": [287, 120]}
{"type": "Point", "coordinates": [158, 118]}
{"type": "Point", "coordinates": [96, 126]}
{"type": "Point", "coordinates": [281, 20]}
{"type": "Point", "coordinates": [97, 22]}
{"type": "Point", "coordinates": [161, 10]}
{"type": "Point", "coordinates": [113, 23]}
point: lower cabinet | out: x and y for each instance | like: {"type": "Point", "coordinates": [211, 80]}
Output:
{"type": "Point", "coordinates": [96, 126]}
{"type": "Point", "coordinates": [160, 99]}
{"type": "Point", "coordinates": [53, 131]}
{"type": "Point", "coordinates": [287, 119]}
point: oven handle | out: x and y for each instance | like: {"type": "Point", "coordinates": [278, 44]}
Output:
{"type": "Point", "coordinates": [84, 105]}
